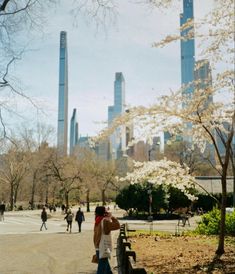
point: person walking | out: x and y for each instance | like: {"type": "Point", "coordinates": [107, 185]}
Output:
{"type": "Point", "coordinates": [69, 219]}
{"type": "Point", "coordinates": [43, 218]}
{"type": "Point", "coordinates": [79, 218]}
{"type": "Point", "coordinates": [104, 224]}
{"type": "Point", "coordinates": [2, 210]}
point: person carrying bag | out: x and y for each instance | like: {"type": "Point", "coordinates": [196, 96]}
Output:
{"type": "Point", "coordinates": [104, 224]}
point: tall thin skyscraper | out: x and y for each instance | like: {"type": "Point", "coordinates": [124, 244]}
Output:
{"type": "Point", "coordinates": [117, 139]}
{"type": "Point", "coordinates": [62, 131]}
{"type": "Point", "coordinates": [73, 131]}
{"type": "Point", "coordinates": [202, 74]}
{"type": "Point", "coordinates": [187, 48]}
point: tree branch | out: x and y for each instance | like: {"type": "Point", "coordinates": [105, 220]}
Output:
{"type": "Point", "coordinates": [4, 4]}
{"type": "Point", "coordinates": [28, 5]}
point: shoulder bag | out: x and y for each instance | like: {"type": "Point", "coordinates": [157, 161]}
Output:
{"type": "Point", "coordinates": [105, 245]}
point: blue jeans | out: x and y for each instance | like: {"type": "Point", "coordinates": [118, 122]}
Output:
{"type": "Point", "coordinates": [103, 265]}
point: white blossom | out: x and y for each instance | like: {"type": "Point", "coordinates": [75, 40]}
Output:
{"type": "Point", "coordinates": [164, 172]}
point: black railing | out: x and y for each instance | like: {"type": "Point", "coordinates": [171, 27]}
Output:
{"type": "Point", "coordinates": [125, 255]}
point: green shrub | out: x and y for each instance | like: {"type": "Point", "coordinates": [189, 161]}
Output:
{"type": "Point", "coordinates": [136, 198]}
{"type": "Point", "coordinates": [207, 203]}
{"type": "Point", "coordinates": [230, 223]}
{"type": "Point", "coordinates": [210, 223]}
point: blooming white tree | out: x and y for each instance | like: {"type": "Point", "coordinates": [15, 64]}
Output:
{"type": "Point", "coordinates": [209, 122]}
{"type": "Point", "coordinates": [163, 172]}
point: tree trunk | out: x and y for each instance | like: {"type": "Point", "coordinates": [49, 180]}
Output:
{"type": "Point", "coordinates": [67, 200]}
{"type": "Point", "coordinates": [53, 196]}
{"type": "Point", "coordinates": [88, 200]}
{"type": "Point", "coordinates": [233, 186]}
{"type": "Point", "coordinates": [46, 200]}
{"type": "Point", "coordinates": [16, 188]}
{"type": "Point", "coordinates": [220, 249]}
{"type": "Point", "coordinates": [33, 193]}
{"type": "Point", "coordinates": [103, 197]}
{"type": "Point", "coordinates": [12, 197]}
{"type": "Point", "coordinates": [47, 191]}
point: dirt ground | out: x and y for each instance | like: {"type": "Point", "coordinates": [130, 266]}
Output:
{"type": "Point", "coordinates": [185, 254]}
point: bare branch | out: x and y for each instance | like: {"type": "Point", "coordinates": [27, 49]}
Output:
{"type": "Point", "coordinates": [4, 4]}
{"type": "Point", "coordinates": [4, 81]}
{"type": "Point", "coordinates": [27, 6]}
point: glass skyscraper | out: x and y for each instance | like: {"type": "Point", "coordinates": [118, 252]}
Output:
{"type": "Point", "coordinates": [187, 46]}
{"type": "Point", "coordinates": [73, 131]}
{"type": "Point", "coordinates": [203, 78]}
{"type": "Point", "coordinates": [187, 49]}
{"type": "Point", "coordinates": [62, 131]}
{"type": "Point", "coordinates": [117, 139]}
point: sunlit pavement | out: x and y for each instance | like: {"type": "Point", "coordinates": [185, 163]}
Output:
{"type": "Point", "coordinates": [22, 241]}
{"type": "Point", "coordinates": [29, 221]}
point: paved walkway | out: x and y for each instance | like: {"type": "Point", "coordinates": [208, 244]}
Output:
{"type": "Point", "coordinates": [25, 249]}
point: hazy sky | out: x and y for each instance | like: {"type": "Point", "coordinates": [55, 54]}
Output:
{"type": "Point", "coordinates": [94, 57]}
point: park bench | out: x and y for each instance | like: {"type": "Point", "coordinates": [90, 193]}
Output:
{"type": "Point", "coordinates": [126, 256]}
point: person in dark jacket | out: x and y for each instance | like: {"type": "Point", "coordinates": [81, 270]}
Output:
{"type": "Point", "coordinates": [44, 218]}
{"type": "Point", "coordinates": [69, 219]}
{"type": "Point", "coordinates": [79, 218]}
{"type": "Point", "coordinates": [2, 210]}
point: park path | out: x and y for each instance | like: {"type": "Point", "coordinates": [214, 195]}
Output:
{"type": "Point", "coordinates": [24, 249]}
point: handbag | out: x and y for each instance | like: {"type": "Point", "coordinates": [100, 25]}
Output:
{"type": "Point", "coordinates": [94, 259]}
{"type": "Point", "coordinates": [105, 245]}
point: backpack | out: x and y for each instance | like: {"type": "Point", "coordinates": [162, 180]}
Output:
{"type": "Point", "coordinates": [70, 217]}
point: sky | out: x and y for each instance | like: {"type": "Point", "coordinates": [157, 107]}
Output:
{"type": "Point", "coordinates": [94, 56]}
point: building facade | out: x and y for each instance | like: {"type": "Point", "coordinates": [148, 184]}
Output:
{"type": "Point", "coordinates": [118, 138]}
{"type": "Point", "coordinates": [203, 78]}
{"type": "Point", "coordinates": [73, 131]}
{"type": "Point", "coordinates": [62, 129]}
{"type": "Point", "coordinates": [187, 46]}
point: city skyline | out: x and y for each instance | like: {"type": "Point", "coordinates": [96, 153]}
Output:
{"type": "Point", "coordinates": [95, 57]}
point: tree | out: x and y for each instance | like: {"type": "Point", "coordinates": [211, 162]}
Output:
{"type": "Point", "coordinates": [36, 143]}
{"type": "Point", "coordinates": [19, 22]}
{"type": "Point", "coordinates": [14, 166]}
{"type": "Point", "coordinates": [67, 172]}
{"type": "Point", "coordinates": [98, 174]}
{"type": "Point", "coordinates": [181, 152]}
{"type": "Point", "coordinates": [104, 174]}
{"type": "Point", "coordinates": [136, 197]}
{"type": "Point", "coordinates": [209, 122]}
{"type": "Point", "coordinates": [17, 19]}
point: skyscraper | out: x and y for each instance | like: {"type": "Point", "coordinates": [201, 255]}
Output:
{"type": "Point", "coordinates": [73, 132]}
{"type": "Point", "coordinates": [202, 74]}
{"type": "Point", "coordinates": [187, 46]}
{"type": "Point", "coordinates": [62, 131]}
{"type": "Point", "coordinates": [117, 139]}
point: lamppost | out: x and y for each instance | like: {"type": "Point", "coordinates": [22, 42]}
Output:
{"type": "Point", "coordinates": [150, 202]}
{"type": "Point", "coordinates": [150, 217]}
